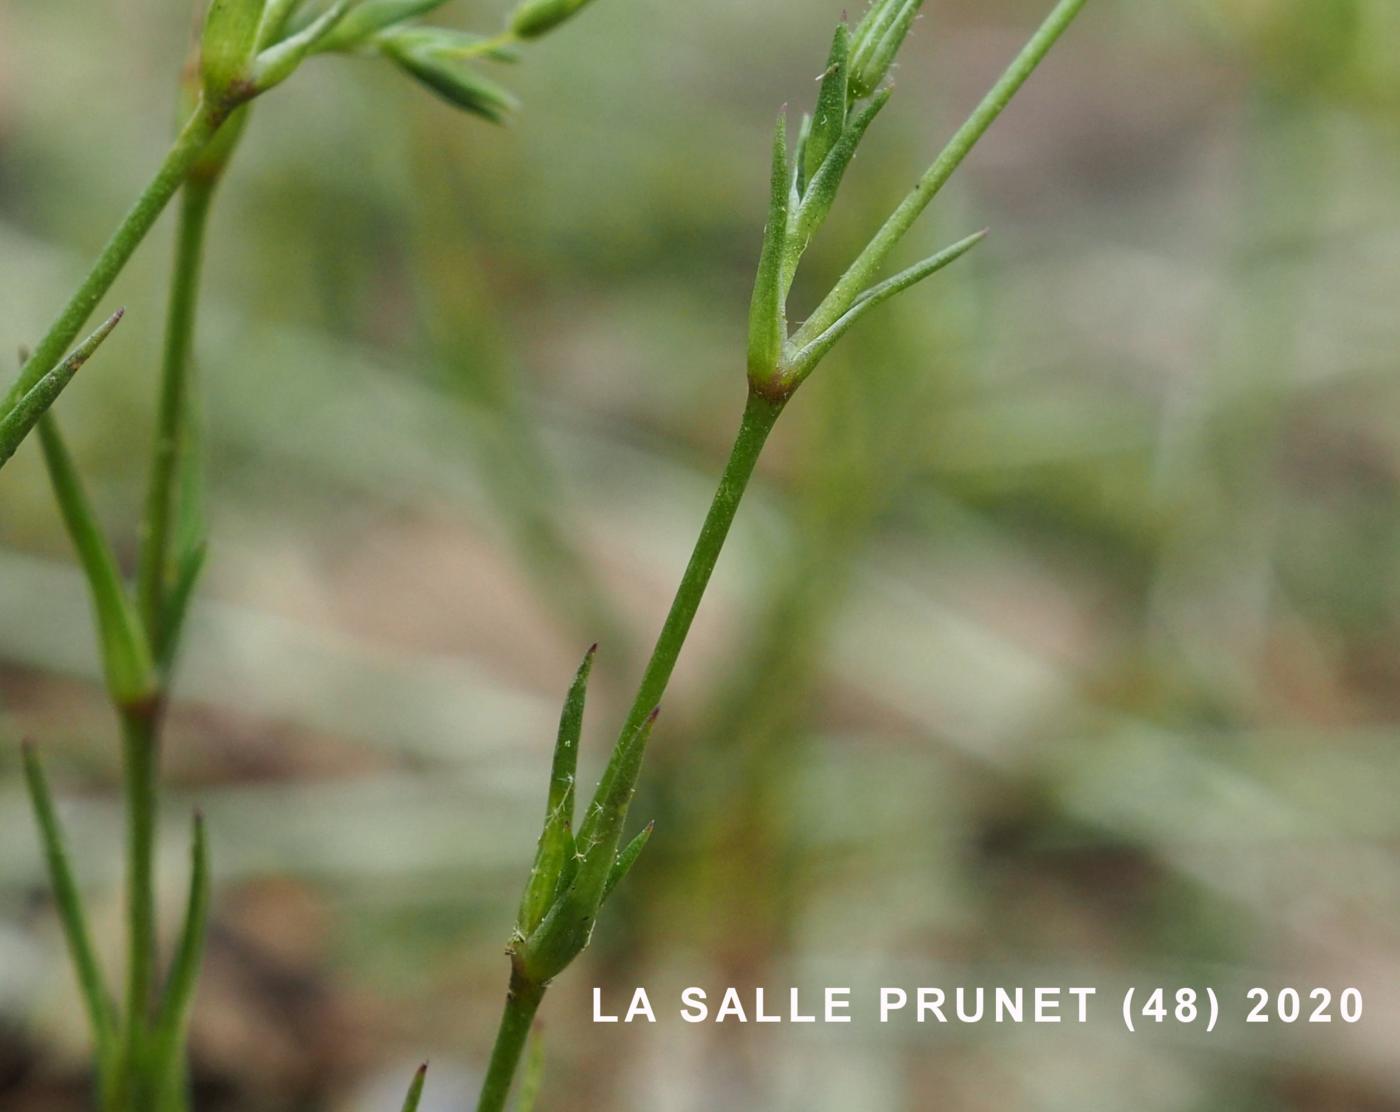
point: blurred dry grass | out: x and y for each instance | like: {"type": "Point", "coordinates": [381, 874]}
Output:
{"type": "Point", "coordinates": [1070, 590]}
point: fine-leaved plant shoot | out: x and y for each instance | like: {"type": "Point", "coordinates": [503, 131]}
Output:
{"type": "Point", "coordinates": [578, 864]}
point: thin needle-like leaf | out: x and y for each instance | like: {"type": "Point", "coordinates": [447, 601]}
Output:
{"type": "Point", "coordinates": [627, 858]}
{"type": "Point", "coordinates": [34, 403]}
{"type": "Point", "coordinates": [371, 17]}
{"type": "Point", "coordinates": [799, 159]}
{"type": "Point", "coordinates": [126, 654]}
{"type": "Point", "coordinates": [415, 1090]}
{"type": "Point", "coordinates": [184, 971]}
{"type": "Point", "coordinates": [556, 846]}
{"type": "Point", "coordinates": [829, 120]}
{"type": "Point", "coordinates": [767, 317]}
{"type": "Point", "coordinates": [177, 606]}
{"type": "Point", "coordinates": [565, 767]}
{"type": "Point", "coordinates": [802, 363]}
{"type": "Point", "coordinates": [826, 181]}
{"type": "Point", "coordinates": [97, 1001]}
{"type": "Point", "coordinates": [608, 811]}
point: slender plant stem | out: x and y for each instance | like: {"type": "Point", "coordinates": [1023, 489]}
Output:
{"type": "Point", "coordinates": [193, 138]}
{"type": "Point", "coordinates": [504, 41]}
{"type": "Point", "coordinates": [760, 415]}
{"type": "Point", "coordinates": [522, 1002]}
{"type": "Point", "coordinates": [141, 759]}
{"type": "Point", "coordinates": [154, 571]}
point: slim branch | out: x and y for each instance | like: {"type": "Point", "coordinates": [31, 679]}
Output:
{"type": "Point", "coordinates": [196, 134]}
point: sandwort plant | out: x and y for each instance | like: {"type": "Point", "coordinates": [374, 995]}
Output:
{"type": "Point", "coordinates": [249, 47]}
{"type": "Point", "coordinates": [577, 865]}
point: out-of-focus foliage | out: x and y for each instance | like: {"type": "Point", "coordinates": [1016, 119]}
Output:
{"type": "Point", "coordinates": [1342, 47]}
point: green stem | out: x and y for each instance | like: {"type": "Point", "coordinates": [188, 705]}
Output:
{"type": "Point", "coordinates": [522, 1002]}
{"type": "Point", "coordinates": [760, 415]}
{"type": "Point", "coordinates": [193, 138]}
{"type": "Point", "coordinates": [154, 574]}
{"type": "Point", "coordinates": [141, 759]}
{"type": "Point", "coordinates": [485, 47]}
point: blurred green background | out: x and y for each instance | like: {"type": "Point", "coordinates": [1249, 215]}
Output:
{"type": "Point", "coordinates": [1058, 644]}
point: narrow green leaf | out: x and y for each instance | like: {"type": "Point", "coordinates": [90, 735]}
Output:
{"type": "Point", "coordinates": [877, 40]}
{"type": "Point", "coordinates": [371, 17]}
{"type": "Point", "coordinates": [601, 831]}
{"type": "Point", "coordinates": [19, 421]}
{"type": "Point", "coordinates": [173, 1017]}
{"type": "Point", "coordinates": [177, 605]}
{"type": "Point", "coordinates": [826, 182]}
{"type": "Point", "coordinates": [565, 765]}
{"type": "Point", "coordinates": [447, 43]}
{"type": "Point", "coordinates": [627, 858]}
{"type": "Point", "coordinates": [829, 119]}
{"type": "Point", "coordinates": [799, 160]}
{"type": "Point", "coordinates": [767, 313]}
{"type": "Point", "coordinates": [555, 852]}
{"type": "Point", "coordinates": [439, 66]}
{"type": "Point", "coordinates": [415, 1090]}
{"type": "Point", "coordinates": [805, 360]}
{"type": "Point", "coordinates": [126, 654]}
{"type": "Point", "coordinates": [275, 64]}
{"type": "Point", "coordinates": [101, 1012]}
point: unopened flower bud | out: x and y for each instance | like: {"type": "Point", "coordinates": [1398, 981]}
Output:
{"type": "Point", "coordinates": [876, 41]}
{"type": "Point", "coordinates": [534, 18]}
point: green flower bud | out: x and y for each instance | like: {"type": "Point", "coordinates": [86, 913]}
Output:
{"type": "Point", "coordinates": [436, 58]}
{"type": "Point", "coordinates": [534, 18]}
{"type": "Point", "coordinates": [876, 41]}
{"type": "Point", "coordinates": [228, 47]}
